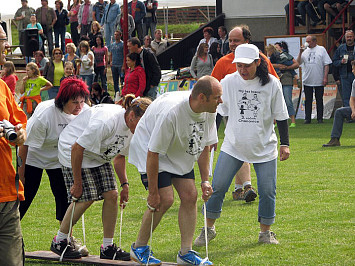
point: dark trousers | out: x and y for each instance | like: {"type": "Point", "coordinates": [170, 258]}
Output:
{"type": "Point", "coordinates": [60, 33]}
{"type": "Point", "coordinates": [308, 91]}
{"type": "Point", "coordinates": [139, 30]}
{"type": "Point", "coordinates": [74, 32]}
{"type": "Point", "coordinates": [49, 35]}
{"type": "Point", "coordinates": [100, 71]}
{"type": "Point", "coordinates": [85, 29]}
{"type": "Point", "coordinates": [33, 177]}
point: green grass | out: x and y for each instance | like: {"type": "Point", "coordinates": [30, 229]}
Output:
{"type": "Point", "coordinates": [315, 220]}
{"type": "Point", "coordinates": [180, 28]}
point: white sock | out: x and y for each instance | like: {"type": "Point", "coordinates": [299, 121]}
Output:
{"type": "Point", "coordinates": [61, 236]}
{"type": "Point", "coordinates": [238, 186]}
{"type": "Point", "coordinates": [107, 242]}
{"type": "Point", "coordinates": [246, 183]}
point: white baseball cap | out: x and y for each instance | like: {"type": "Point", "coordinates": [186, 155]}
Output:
{"type": "Point", "coordinates": [246, 53]}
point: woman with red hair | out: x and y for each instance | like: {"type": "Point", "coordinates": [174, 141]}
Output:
{"type": "Point", "coordinates": [40, 150]}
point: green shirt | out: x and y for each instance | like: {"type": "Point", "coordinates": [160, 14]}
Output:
{"type": "Point", "coordinates": [33, 86]}
{"type": "Point", "coordinates": [58, 73]}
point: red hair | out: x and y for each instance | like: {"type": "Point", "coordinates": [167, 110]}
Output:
{"type": "Point", "coordinates": [71, 88]}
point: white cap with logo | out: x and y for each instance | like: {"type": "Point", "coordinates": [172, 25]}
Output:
{"type": "Point", "coordinates": [246, 53]}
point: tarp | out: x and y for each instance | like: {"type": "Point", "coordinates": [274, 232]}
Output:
{"type": "Point", "coordinates": [13, 5]}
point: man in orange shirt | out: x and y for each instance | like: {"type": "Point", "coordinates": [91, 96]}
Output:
{"type": "Point", "coordinates": [224, 66]}
{"type": "Point", "coordinates": [11, 248]}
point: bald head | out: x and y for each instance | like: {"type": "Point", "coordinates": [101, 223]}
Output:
{"type": "Point", "coordinates": [239, 35]}
{"type": "Point", "coordinates": [206, 95]}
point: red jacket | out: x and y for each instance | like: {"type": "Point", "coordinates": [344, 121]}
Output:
{"type": "Point", "coordinates": [134, 82]}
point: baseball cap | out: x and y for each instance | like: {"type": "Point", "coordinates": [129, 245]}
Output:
{"type": "Point", "coordinates": [246, 53]}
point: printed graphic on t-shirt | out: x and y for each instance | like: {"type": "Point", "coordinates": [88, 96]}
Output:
{"type": "Point", "coordinates": [195, 137]}
{"type": "Point", "coordinates": [249, 106]}
{"type": "Point", "coordinates": [311, 58]}
{"type": "Point", "coordinates": [113, 149]}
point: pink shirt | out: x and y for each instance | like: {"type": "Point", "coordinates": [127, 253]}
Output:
{"type": "Point", "coordinates": [11, 82]}
{"type": "Point", "coordinates": [85, 17]}
{"type": "Point", "coordinates": [74, 10]}
{"type": "Point", "coordinates": [100, 58]}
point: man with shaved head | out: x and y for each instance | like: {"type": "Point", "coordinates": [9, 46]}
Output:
{"type": "Point", "coordinates": [174, 133]}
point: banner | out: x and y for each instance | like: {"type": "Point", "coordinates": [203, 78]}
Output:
{"type": "Point", "coordinates": [330, 93]}
{"type": "Point", "coordinates": [175, 85]}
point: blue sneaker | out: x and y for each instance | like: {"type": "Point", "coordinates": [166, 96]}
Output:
{"type": "Point", "coordinates": [192, 258]}
{"type": "Point", "coordinates": [141, 255]}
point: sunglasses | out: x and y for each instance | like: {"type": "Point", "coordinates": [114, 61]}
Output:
{"type": "Point", "coordinates": [57, 53]}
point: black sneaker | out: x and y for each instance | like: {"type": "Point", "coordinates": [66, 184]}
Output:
{"type": "Point", "coordinates": [70, 252]}
{"type": "Point", "coordinates": [110, 251]}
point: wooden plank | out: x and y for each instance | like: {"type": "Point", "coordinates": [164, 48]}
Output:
{"type": "Point", "coordinates": [91, 259]}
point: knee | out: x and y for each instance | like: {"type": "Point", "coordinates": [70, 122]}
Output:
{"type": "Point", "coordinates": [189, 197]}
{"type": "Point", "coordinates": [111, 196]}
{"type": "Point", "coordinates": [166, 202]}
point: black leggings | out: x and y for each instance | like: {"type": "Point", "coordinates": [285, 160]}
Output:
{"type": "Point", "coordinates": [33, 176]}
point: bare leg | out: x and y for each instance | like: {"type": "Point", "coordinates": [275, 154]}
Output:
{"type": "Point", "coordinates": [264, 227]}
{"type": "Point", "coordinates": [166, 200]}
{"type": "Point", "coordinates": [243, 174]}
{"type": "Point", "coordinates": [187, 211]}
{"type": "Point", "coordinates": [80, 208]}
{"type": "Point", "coordinates": [109, 213]}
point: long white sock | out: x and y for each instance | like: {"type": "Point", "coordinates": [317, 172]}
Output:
{"type": "Point", "coordinates": [238, 186]}
{"type": "Point", "coordinates": [61, 236]}
{"type": "Point", "coordinates": [107, 242]}
{"type": "Point", "coordinates": [246, 183]}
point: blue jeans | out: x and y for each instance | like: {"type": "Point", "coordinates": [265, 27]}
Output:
{"type": "Point", "coordinates": [346, 84]}
{"type": "Point", "coordinates": [152, 93]}
{"type": "Point", "coordinates": [287, 91]}
{"type": "Point", "coordinates": [52, 92]}
{"type": "Point", "coordinates": [100, 71]}
{"type": "Point", "coordinates": [88, 80]}
{"type": "Point", "coordinates": [117, 76]}
{"type": "Point", "coordinates": [109, 31]}
{"type": "Point", "coordinates": [60, 32]}
{"type": "Point", "coordinates": [149, 24]}
{"type": "Point", "coordinates": [340, 114]}
{"type": "Point", "coordinates": [226, 167]}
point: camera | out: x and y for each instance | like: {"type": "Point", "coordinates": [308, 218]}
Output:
{"type": "Point", "coordinates": [8, 130]}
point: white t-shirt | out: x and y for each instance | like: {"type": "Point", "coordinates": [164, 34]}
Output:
{"type": "Point", "coordinates": [43, 130]}
{"type": "Point", "coordinates": [101, 131]}
{"type": "Point", "coordinates": [157, 110]}
{"type": "Point", "coordinates": [180, 137]}
{"type": "Point", "coordinates": [313, 61]}
{"type": "Point", "coordinates": [251, 108]}
{"type": "Point", "coordinates": [353, 89]}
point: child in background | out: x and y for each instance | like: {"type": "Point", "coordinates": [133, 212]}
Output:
{"type": "Point", "coordinates": [68, 70]}
{"type": "Point", "coordinates": [280, 57]}
{"type": "Point", "coordinates": [7, 75]}
{"type": "Point", "coordinates": [34, 87]}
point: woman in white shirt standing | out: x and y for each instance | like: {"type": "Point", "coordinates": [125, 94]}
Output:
{"type": "Point", "coordinates": [86, 148]}
{"type": "Point", "coordinates": [86, 63]}
{"type": "Point", "coordinates": [40, 151]}
{"type": "Point", "coordinates": [252, 99]}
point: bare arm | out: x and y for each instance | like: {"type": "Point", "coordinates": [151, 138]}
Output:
{"type": "Point", "coordinates": [203, 164]}
{"type": "Point", "coordinates": [23, 155]}
{"type": "Point", "coordinates": [352, 106]}
{"type": "Point", "coordinates": [77, 154]}
{"type": "Point", "coordinates": [325, 78]}
{"type": "Point", "coordinates": [47, 86]}
{"type": "Point", "coordinates": [299, 57]}
{"type": "Point", "coordinates": [152, 173]}
{"type": "Point", "coordinates": [119, 163]}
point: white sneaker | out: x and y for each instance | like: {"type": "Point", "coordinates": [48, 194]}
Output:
{"type": "Point", "coordinates": [268, 237]}
{"type": "Point", "coordinates": [200, 240]}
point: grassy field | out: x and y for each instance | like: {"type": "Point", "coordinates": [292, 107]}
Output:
{"type": "Point", "coordinates": [315, 221]}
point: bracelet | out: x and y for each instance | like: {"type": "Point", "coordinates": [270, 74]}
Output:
{"type": "Point", "coordinates": [205, 182]}
{"type": "Point", "coordinates": [124, 183]}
